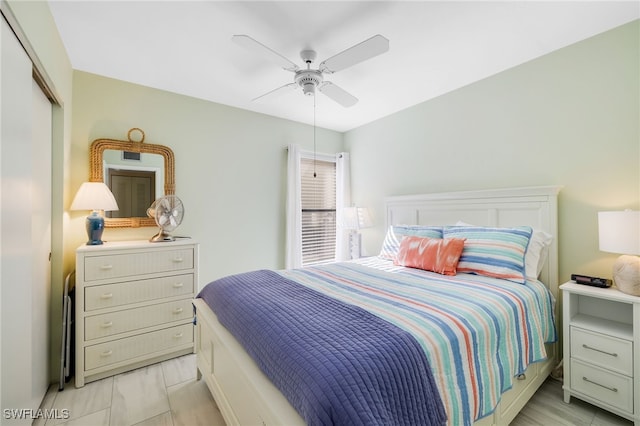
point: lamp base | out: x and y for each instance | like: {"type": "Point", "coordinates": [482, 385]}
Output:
{"type": "Point", "coordinates": [626, 274]}
{"type": "Point", "coordinates": [355, 240]}
{"type": "Point", "coordinates": [95, 227]}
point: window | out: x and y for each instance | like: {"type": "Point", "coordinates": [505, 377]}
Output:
{"type": "Point", "coordinates": [318, 203]}
{"type": "Point", "coordinates": [314, 207]}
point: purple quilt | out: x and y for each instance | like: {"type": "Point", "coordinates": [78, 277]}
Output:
{"type": "Point", "coordinates": [336, 363]}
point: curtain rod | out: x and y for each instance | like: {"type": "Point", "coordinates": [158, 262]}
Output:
{"type": "Point", "coordinates": [286, 148]}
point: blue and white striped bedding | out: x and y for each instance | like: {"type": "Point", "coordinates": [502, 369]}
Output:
{"type": "Point", "coordinates": [477, 332]}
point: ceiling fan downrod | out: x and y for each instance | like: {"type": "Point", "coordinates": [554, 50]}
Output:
{"type": "Point", "coordinates": [308, 79]}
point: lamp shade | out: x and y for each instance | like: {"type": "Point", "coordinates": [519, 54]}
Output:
{"type": "Point", "coordinates": [356, 218]}
{"type": "Point", "coordinates": [94, 196]}
{"type": "Point", "coordinates": [619, 232]}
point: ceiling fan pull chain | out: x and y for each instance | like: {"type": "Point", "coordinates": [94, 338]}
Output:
{"type": "Point", "coordinates": [314, 135]}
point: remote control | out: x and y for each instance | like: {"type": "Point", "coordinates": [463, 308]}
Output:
{"type": "Point", "coordinates": [592, 281]}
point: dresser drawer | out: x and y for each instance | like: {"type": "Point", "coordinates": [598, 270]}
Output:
{"type": "Point", "coordinates": [603, 385]}
{"type": "Point", "coordinates": [131, 347]}
{"type": "Point", "coordinates": [137, 263]}
{"type": "Point", "coordinates": [609, 352]}
{"type": "Point", "coordinates": [110, 295]}
{"type": "Point", "coordinates": [135, 319]}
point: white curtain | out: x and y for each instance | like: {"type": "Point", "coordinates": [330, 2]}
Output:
{"type": "Point", "coordinates": [293, 255]}
{"type": "Point", "coordinates": [343, 199]}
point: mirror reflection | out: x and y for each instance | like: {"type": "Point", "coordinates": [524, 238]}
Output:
{"type": "Point", "coordinates": [136, 180]}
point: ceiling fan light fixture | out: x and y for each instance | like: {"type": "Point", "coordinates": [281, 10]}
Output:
{"type": "Point", "coordinates": [309, 89]}
{"type": "Point", "coordinates": [308, 80]}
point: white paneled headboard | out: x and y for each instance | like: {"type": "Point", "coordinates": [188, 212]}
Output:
{"type": "Point", "coordinates": [533, 206]}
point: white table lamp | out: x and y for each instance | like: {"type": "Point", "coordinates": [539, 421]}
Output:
{"type": "Point", "coordinates": [95, 196]}
{"type": "Point", "coordinates": [619, 232]}
{"type": "Point", "coordinates": [354, 219]}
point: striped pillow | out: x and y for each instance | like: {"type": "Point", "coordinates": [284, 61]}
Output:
{"type": "Point", "coordinates": [391, 243]}
{"type": "Point", "coordinates": [494, 252]}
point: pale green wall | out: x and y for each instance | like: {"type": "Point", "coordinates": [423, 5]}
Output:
{"type": "Point", "coordinates": [568, 111]}
{"type": "Point", "coordinates": [568, 118]}
{"type": "Point", "coordinates": [230, 167]}
{"type": "Point", "coordinates": [37, 24]}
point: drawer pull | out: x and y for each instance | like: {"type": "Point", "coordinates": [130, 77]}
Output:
{"type": "Point", "coordinates": [106, 324]}
{"type": "Point", "coordinates": [178, 335]}
{"type": "Point", "coordinates": [106, 296]}
{"type": "Point", "coordinates": [177, 310]}
{"type": "Point", "coordinates": [178, 259]}
{"type": "Point", "coordinates": [598, 384]}
{"type": "Point", "coordinates": [178, 285]}
{"type": "Point", "coordinates": [106, 353]}
{"type": "Point", "coordinates": [613, 354]}
{"type": "Point", "coordinates": [106, 267]}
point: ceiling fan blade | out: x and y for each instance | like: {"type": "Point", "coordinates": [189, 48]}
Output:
{"type": "Point", "coordinates": [278, 92]}
{"type": "Point", "coordinates": [369, 48]}
{"type": "Point", "coordinates": [338, 94]}
{"type": "Point", "coordinates": [266, 52]}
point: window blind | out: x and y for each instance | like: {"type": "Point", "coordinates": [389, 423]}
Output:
{"type": "Point", "coordinates": [318, 200]}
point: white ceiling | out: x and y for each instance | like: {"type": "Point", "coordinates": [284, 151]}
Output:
{"type": "Point", "coordinates": [435, 46]}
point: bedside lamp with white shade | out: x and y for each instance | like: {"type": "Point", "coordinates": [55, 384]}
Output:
{"type": "Point", "coordinates": [94, 196]}
{"type": "Point", "coordinates": [619, 232]}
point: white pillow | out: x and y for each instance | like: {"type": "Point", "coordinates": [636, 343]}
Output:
{"type": "Point", "coordinates": [536, 254]}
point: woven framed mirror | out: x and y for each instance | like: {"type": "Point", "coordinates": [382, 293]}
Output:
{"type": "Point", "coordinates": [136, 172]}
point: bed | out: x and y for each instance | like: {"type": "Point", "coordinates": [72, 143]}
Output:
{"type": "Point", "coordinates": [257, 378]}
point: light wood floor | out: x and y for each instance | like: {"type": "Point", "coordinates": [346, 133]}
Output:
{"type": "Point", "coordinates": [547, 408]}
{"type": "Point", "coordinates": [164, 394]}
{"type": "Point", "coordinates": [167, 394]}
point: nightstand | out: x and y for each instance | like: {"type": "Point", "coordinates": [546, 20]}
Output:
{"type": "Point", "coordinates": [601, 329]}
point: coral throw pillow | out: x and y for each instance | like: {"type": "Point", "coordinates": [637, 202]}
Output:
{"type": "Point", "coordinates": [431, 254]}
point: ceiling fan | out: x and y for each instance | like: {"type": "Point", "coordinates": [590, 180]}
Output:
{"type": "Point", "coordinates": [310, 79]}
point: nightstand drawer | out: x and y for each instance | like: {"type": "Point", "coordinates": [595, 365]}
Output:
{"type": "Point", "coordinates": [603, 385]}
{"type": "Point", "coordinates": [111, 295]}
{"type": "Point", "coordinates": [136, 263]}
{"type": "Point", "coordinates": [134, 319]}
{"type": "Point", "coordinates": [131, 347]}
{"type": "Point", "coordinates": [608, 352]}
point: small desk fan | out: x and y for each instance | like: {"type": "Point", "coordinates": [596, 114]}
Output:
{"type": "Point", "coordinates": [168, 212]}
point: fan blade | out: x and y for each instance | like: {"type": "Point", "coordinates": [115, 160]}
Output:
{"type": "Point", "coordinates": [369, 48]}
{"type": "Point", "coordinates": [164, 202]}
{"type": "Point", "coordinates": [338, 94]}
{"type": "Point", "coordinates": [278, 92]}
{"type": "Point", "coordinates": [266, 52]}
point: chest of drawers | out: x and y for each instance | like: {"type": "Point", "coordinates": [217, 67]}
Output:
{"type": "Point", "coordinates": [601, 329]}
{"type": "Point", "coordinates": [133, 305]}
